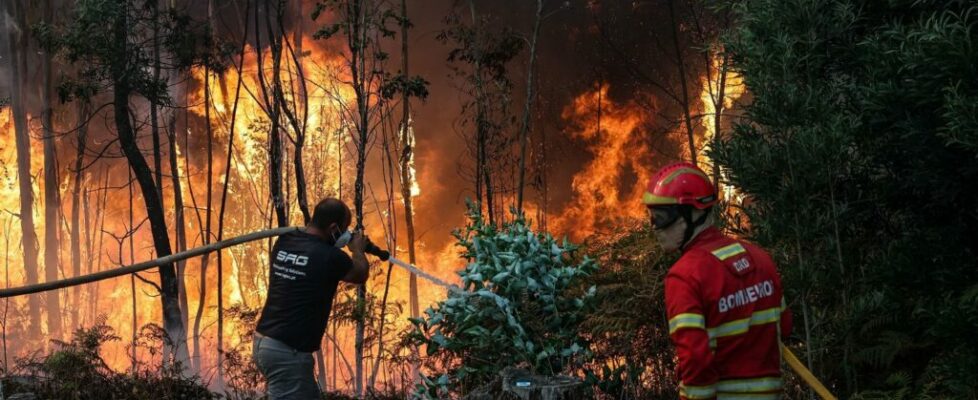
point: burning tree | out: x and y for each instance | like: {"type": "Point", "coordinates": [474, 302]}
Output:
{"type": "Point", "coordinates": [17, 29]}
{"type": "Point", "coordinates": [111, 42]}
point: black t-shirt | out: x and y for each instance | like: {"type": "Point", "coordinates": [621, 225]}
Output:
{"type": "Point", "coordinates": [301, 285]}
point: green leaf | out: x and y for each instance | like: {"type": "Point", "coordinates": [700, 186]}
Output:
{"type": "Point", "coordinates": [500, 277]}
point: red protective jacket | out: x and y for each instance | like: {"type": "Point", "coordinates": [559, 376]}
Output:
{"type": "Point", "coordinates": [726, 312]}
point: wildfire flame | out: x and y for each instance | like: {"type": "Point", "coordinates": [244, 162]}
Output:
{"type": "Point", "coordinates": [605, 192]}
{"type": "Point", "coordinates": [731, 87]}
{"type": "Point", "coordinates": [614, 134]}
{"type": "Point", "coordinates": [412, 174]}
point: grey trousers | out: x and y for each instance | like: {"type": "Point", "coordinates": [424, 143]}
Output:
{"type": "Point", "coordinates": [288, 372]}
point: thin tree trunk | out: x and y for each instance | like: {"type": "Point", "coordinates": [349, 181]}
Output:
{"type": "Point", "coordinates": [718, 110]}
{"type": "Point", "coordinates": [335, 356]}
{"type": "Point", "coordinates": [276, 150]}
{"type": "Point", "coordinates": [682, 81]}
{"type": "Point", "coordinates": [6, 283]}
{"type": "Point", "coordinates": [132, 277]}
{"type": "Point", "coordinates": [483, 169]}
{"type": "Point", "coordinates": [390, 232]}
{"type": "Point", "coordinates": [209, 214]}
{"type": "Point", "coordinates": [224, 198]}
{"type": "Point", "coordinates": [545, 195]}
{"type": "Point", "coordinates": [18, 70]}
{"type": "Point", "coordinates": [406, 156]}
{"type": "Point", "coordinates": [100, 221]}
{"type": "Point", "coordinates": [83, 111]}
{"type": "Point", "coordinates": [204, 262]}
{"type": "Point", "coordinates": [153, 106]}
{"type": "Point", "coordinates": [180, 228]}
{"type": "Point", "coordinates": [357, 40]}
{"type": "Point", "coordinates": [406, 159]}
{"type": "Point", "coordinates": [52, 201]}
{"type": "Point", "coordinates": [86, 210]}
{"type": "Point", "coordinates": [300, 128]}
{"type": "Point", "coordinates": [530, 99]}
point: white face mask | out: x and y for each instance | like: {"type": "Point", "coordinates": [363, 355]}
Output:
{"type": "Point", "coordinates": [343, 240]}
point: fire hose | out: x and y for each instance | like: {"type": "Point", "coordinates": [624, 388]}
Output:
{"type": "Point", "coordinates": [789, 357]}
{"type": "Point", "coordinates": [806, 374]}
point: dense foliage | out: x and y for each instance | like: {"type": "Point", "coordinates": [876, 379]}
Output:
{"type": "Point", "coordinates": [859, 157]}
{"type": "Point", "coordinates": [89, 43]}
{"type": "Point", "coordinates": [628, 328]}
{"type": "Point", "coordinates": [518, 308]}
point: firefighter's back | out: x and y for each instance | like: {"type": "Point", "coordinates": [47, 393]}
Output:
{"type": "Point", "coordinates": [742, 302]}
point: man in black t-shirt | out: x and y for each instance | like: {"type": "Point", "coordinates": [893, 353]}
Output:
{"type": "Point", "coordinates": [306, 267]}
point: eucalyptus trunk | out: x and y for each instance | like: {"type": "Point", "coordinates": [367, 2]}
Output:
{"type": "Point", "coordinates": [17, 48]}
{"type": "Point", "coordinates": [52, 192]}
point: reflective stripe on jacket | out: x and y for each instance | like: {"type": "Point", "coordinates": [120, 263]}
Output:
{"type": "Point", "coordinates": [726, 313]}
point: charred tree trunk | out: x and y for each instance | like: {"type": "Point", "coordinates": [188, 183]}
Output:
{"type": "Point", "coordinates": [100, 202]}
{"type": "Point", "coordinates": [202, 294]}
{"type": "Point", "coordinates": [17, 40]}
{"type": "Point", "coordinates": [300, 180]}
{"type": "Point", "coordinates": [83, 111]}
{"type": "Point", "coordinates": [407, 149]}
{"type": "Point", "coordinates": [52, 191]}
{"type": "Point", "coordinates": [483, 169]}
{"type": "Point", "coordinates": [718, 110]}
{"type": "Point", "coordinates": [180, 227]}
{"type": "Point", "coordinates": [275, 112]}
{"type": "Point", "coordinates": [356, 41]}
{"type": "Point", "coordinates": [224, 198]}
{"type": "Point", "coordinates": [131, 234]}
{"type": "Point", "coordinates": [680, 63]}
{"type": "Point", "coordinates": [530, 99]}
{"type": "Point", "coordinates": [298, 120]}
{"type": "Point", "coordinates": [6, 283]}
{"type": "Point", "coordinates": [122, 89]}
{"type": "Point", "coordinates": [153, 103]}
{"type": "Point", "coordinates": [209, 214]}
{"type": "Point", "coordinates": [86, 211]}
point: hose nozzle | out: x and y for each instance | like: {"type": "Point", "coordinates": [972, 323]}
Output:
{"type": "Point", "coordinates": [374, 250]}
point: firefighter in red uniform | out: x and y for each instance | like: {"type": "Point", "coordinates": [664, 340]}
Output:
{"type": "Point", "coordinates": [723, 297]}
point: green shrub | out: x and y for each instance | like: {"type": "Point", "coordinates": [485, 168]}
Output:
{"type": "Point", "coordinates": [519, 307]}
{"type": "Point", "coordinates": [76, 371]}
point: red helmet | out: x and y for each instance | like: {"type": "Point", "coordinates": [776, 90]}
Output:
{"type": "Point", "coordinates": [680, 184]}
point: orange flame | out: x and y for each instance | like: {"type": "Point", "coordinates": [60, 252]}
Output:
{"type": "Point", "coordinates": [607, 190]}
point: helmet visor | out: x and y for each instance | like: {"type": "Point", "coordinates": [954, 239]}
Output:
{"type": "Point", "coordinates": [663, 217]}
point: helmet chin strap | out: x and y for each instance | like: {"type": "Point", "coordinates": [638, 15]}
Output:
{"type": "Point", "coordinates": [687, 214]}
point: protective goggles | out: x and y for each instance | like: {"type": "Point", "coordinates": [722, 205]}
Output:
{"type": "Point", "coordinates": [663, 217]}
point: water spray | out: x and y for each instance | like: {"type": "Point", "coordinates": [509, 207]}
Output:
{"type": "Point", "coordinates": [385, 255]}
